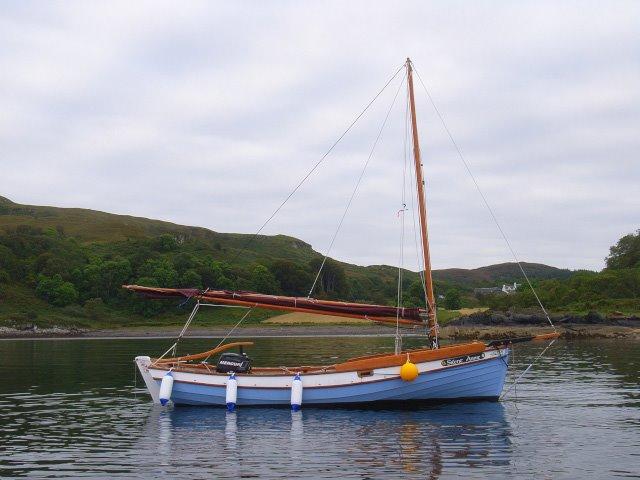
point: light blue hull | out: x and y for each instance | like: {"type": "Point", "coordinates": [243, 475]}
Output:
{"type": "Point", "coordinates": [481, 380]}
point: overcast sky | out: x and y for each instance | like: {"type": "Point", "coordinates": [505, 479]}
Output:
{"type": "Point", "coordinates": [206, 113]}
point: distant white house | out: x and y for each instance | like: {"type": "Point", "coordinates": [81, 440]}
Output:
{"type": "Point", "coordinates": [511, 288]}
{"type": "Point", "coordinates": [493, 290]}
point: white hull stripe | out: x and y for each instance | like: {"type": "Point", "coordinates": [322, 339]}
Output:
{"type": "Point", "coordinates": [316, 380]}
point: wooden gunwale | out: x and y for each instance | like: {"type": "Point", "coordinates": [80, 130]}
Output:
{"type": "Point", "coordinates": [256, 371]}
{"type": "Point", "coordinates": [415, 356]}
{"type": "Point", "coordinates": [442, 350]}
{"type": "Point", "coordinates": [357, 364]}
{"type": "Point", "coordinates": [369, 382]}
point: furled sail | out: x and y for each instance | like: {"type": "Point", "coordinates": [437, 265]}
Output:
{"type": "Point", "coordinates": [377, 313]}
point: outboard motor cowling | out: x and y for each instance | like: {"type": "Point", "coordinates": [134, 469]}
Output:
{"type": "Point", "coordinates": [233, 362]}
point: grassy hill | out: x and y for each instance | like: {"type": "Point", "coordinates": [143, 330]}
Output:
{"type": "Point", "coordinates": [92, 226]}
{"type": "Point", "coordinates": [47, 252]}
{"type": "Point", "coordinates": [500, 273]}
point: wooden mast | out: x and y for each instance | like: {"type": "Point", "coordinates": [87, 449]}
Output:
{"type": "Point", "coordinates": [428, 282]}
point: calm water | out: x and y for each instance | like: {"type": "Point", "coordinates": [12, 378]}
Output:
{"type": "Point", "coordinates": [72, 408]}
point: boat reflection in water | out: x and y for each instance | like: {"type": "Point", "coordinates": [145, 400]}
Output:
{"type": "Point", "coordinates": [423, 442]}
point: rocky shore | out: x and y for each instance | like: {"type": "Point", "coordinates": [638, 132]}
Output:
{"type": "Point", "coordinates": [511, 319]}
{"type": "Point", "coordinates": [481, 325]}
{"type": "Point", "coordinates": [488, 325]}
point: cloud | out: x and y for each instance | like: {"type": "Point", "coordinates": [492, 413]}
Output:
{"type": "Point", "coordinates": [208, 114]}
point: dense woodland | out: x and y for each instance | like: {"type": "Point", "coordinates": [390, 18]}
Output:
{"type": "Point", "coordinates": [56, 264]}
{"type": "Point", "coordinates": [63, 271]}
{"type": "Point", "coordinates": [617, 287]}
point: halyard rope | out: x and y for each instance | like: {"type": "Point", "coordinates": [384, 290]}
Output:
{"type": "Point", "coordinates": [398, 341]}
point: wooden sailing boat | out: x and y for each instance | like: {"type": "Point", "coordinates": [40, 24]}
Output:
{"type": "Point", "coordinates": [472, 370]}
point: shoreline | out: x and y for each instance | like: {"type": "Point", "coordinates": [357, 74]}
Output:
{"type": "Point", "coordinates": [453, 332]}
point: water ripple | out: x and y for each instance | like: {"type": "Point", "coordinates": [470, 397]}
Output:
{"type": "Point", "coordinates": [577, 415]}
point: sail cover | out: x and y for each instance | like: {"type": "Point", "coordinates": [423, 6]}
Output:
{"type": "Point", "coordinates": [377, 313]}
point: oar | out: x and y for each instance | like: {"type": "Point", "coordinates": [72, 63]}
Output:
{"type": "Point", "coordinates": [198, 356]}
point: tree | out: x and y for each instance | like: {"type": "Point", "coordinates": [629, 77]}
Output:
{"type": "Point", "coordinates": [166, 243]}
{"type": "Point", "coordinates": [625, 253]}
{"type": "Point", "coordinates": [94, 308]}
{"type": "Point", "coordinates": [263, 281]}
{"type": "Point", "coordinates": [293, 279]}
{"type": "Point", "coordinates": [415, 296]}
{"type": "Point", "coordinates": [183, 262]}
{"type": "Point", "coordinates": [113, 274]}
{"type": "Point", "coordinates": [217, 275]}
{"type": "Point", "coordinates": [10, 262]}
{"type": "Point", "coordinates": [103, 278]}
{"type": "Point", "coordinates": [56, 291]}
{"type": "Point", "coordinates": [332, 280]}
{"type": "Point", "coordinates": [141, 251]}
{"type": "Point", "coordinates": [65, 294]}
{"type": "Point", "coordinates": [191, 279]}
{"type": "Point", "coordinates": [452, 299]}
{"type": "Point", "coordinates": [161, 270]}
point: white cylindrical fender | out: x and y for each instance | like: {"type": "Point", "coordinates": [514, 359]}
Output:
{"type": "Point", "coordinates": [296, 393]}
{"type": "Point", "coordinates": [232, 392]}
{"type": "Point", "coordinates": [166, 386]}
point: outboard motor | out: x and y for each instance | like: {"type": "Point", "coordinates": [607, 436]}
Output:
{"type": "Point", "coordinates": [233, 362]}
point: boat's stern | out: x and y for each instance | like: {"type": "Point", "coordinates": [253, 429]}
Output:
{"type": "Point", "coordinates": [143, 364]}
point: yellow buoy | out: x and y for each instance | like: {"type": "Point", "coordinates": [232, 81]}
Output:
{"type": "Point", "coordinates": [408, 371]}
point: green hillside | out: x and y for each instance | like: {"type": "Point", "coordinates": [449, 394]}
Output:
{"type": "Point", "coordinates": [91, 226]}
{"type": "Point", "coordinates": [66, 265]}
{"type": "Point", "coordinates": [500, 273]}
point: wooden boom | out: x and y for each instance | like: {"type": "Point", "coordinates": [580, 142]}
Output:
{"type": "Point", "coordinates": [409, 316]}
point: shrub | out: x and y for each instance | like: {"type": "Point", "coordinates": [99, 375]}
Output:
{"type": "Point", "coordinates": [56, 291]}
{"type": "Point", "coordinates": [452, 299]}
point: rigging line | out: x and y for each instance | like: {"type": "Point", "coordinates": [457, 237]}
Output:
{"type": "Point", "coordinates": [233, 329]}
{"type": "Point", "coordinates": [402, 212]}
{"type": "Point", "coordinates": [196, 307]}
{"type": "Point", "coordinates": [174, 347]}
{"type": "Point", "coordinates": [515, 382]}
{"type": "Point", "coordinates": [419, 261]}
{"type": "Point", "coordinates": [355, 189]}
{"type": "Point", "coordinates": [316, 165]}
{"type": "Point", "coordinates": [486, 203]}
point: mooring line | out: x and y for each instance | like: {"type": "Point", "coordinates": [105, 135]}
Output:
{"type": "Point", "coordinates": [519, 377]}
